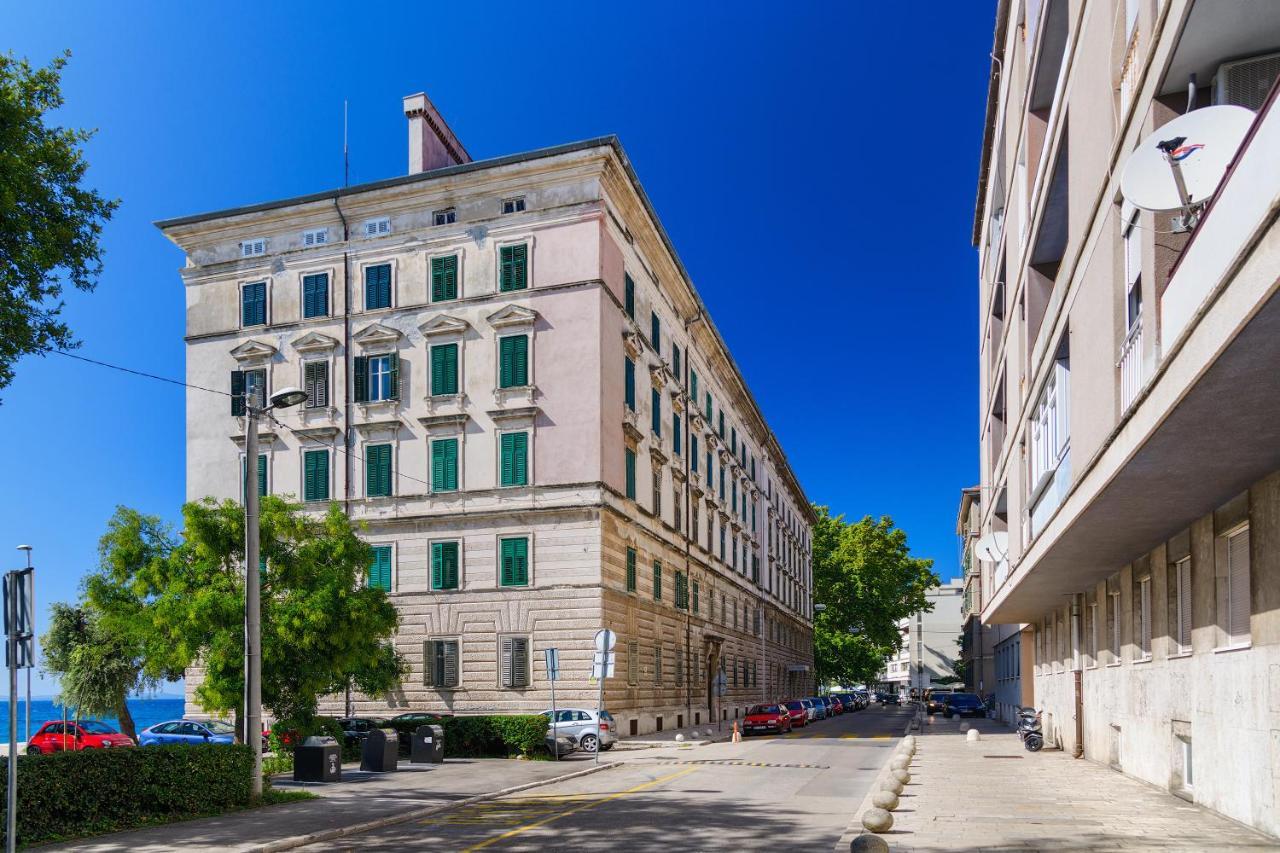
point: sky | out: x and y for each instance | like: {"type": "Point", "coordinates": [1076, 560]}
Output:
{"type": "Point", "coordinates": [814, 164]}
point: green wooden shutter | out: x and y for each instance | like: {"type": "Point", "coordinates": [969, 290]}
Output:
{"type": "Point", "coordinates": [519, 662]}
{"type": "Point", "coordinates": [315, 295]}
{"type": "Point", "coordinates": [253, 304]}
{"type": "Point", "coordinates": [262, 474]}
{"type": "Point", "coordinates": [675, 432]}
{"type": "Point", "coordinates": [514, 272]}
{"type": "Point", "coordinates": [655, 408]}
{"type": "Point", "coordinates": [377, 287]}
{"type": "Point", "coordinates": [655, 332]}
{"type": "Point", "coordinates": [444, 278]}
{"type": "Point", "coordinates": [657, 580]}
{"type": "Point", "coordinates": [515, 562]}
{"type": "Point", "coordinates": [515, 463]}
{"type": "Point", "coordinates": [444, 565]}
{"type": "Point", "coordinates": [693, 453]}
{"type": "Point", "coordinates": [237, 393]}
{"type": "Point", "coordinates": [513, 361]}
{"type": "Point", "coordinates": [378, 470]}
{"type": "Point", "coordinates": [631, 570]}
{"type": "Point", "coordinates": [444, 369]}
{"type": "Point", "coordinates": [393, 367]}
{"type": "Point", "coordinates": [631, 473]}
{"type": "Point", "coordinates": [380, 568]}
{"type": "Point", "coordinates": [316, 485]}
{"type": "Point", "coordinates": [629, 383]}
{"type": "Point", "coordinates": [444, 465]}
{"type": "Point", "coordinates": [630, 291]}
{"type": "Point", "coordinates": [360, 378]}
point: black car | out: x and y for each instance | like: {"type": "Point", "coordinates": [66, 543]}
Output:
{"type": "Point", "coordinates": [356, 729]}
{"type": "Point", "coordinates": [890, 699]}
{"type": "Point", "coordinates": [963, 705]}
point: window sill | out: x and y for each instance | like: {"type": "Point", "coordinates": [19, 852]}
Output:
{"type": "Point", "coordinates": [1114, 664]}
{"type": "Point", "coordinates": [1240, 647]}
{"type": "Point", "coordinates": [1178, 655]}
{"type": "Point", "coordinates": [1146, 659]}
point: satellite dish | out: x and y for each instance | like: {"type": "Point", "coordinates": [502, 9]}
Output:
{"type": "Point", "coordinates": [993, 547]}
{"type": "Point", "coordinates": [1180, 166]}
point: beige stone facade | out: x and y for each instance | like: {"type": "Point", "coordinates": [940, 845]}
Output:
{"type": "Point", "coordinates": [493, 474]}
{"type": "Point", "coordinates": [1128, 395]}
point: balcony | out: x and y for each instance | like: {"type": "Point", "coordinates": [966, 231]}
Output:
{"type": "Point", "coordinates": [1132, 374]}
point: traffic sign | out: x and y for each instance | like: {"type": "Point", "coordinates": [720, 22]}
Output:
{"type": "Point", "coordinates": [605, 640]}
{"type": "Point", "coordinates": [600, 659]}
{"type": "Point", "coordinates": [553, 664]}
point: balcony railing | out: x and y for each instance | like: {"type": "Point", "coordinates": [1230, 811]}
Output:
{"type": "Point", "coordinates": [1131, 367]}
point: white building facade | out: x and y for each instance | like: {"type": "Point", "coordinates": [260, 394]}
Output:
{"type": "Point", "coordinates": [930, 642]}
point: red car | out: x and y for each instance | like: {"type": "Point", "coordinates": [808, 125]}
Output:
{"type": "Point", "coordinates": [797, 712]}
{"type": "Point", "coordinates": [837, 706]}
{"type": "Point", "coordinates": [57, 736]}
{"type": "Point", "coordinates": [766, 719]}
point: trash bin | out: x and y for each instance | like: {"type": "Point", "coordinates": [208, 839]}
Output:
{"type": "Point", "coordinates": [380, 751]}
{"type": "Point", "coordinates": [317, 759]}
{"type": "Point", "coordinates": [428, 745]}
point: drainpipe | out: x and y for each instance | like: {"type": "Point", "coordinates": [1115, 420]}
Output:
{"type": "Point", "coordinates": [684, 530]}
{"type": "Point", "coordinates": [1077, 677]}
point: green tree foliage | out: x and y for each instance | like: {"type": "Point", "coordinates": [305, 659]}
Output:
{"type": "Point", "coordinates": [183, 602]}
{"type": "Point", "coordinates": [866, 577]}
{"type": "Point", "coordinates": [49, 223]}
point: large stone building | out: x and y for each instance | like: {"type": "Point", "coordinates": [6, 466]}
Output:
{"type": "Point", "coordinates": [1130, 408]}
{"type": "Point", "coordinates": [514, 388]}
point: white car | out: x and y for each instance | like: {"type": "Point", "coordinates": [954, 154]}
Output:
{"type": "Point", "coordinates": [579, 724]}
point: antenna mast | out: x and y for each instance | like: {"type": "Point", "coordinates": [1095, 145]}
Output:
{"type": "Point", "coordinates": [346, 159]}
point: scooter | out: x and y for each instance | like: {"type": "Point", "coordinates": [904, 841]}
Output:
{"type": "Point", "coordinates": [1029, 729]}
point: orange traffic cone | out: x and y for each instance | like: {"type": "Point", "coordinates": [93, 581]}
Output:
{"type": "Point", "coordinates": [737, 736]}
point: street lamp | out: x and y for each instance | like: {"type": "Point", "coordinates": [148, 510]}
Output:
{"type": "Point", "coordinates": [282, 399]}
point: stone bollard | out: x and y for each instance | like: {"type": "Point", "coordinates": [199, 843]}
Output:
{"type": "Point", "coordinates": [891, 784]}
{"type": "Point", "coordinates": [865, 843]}
{"type": "Point", "coordinates": [886, 800]}
{"type": "Point", "coordinates": [679, 738]}
{"type": "Point", "coordinates": [902, 776]}
{"type": "Point", "coordinates": [910, 742]}
{"type": "Point", "coordinates": [964, 725]}
{"type": "Point", "coordinates": [899, 764]}
{"type": "Point", "coordinates": [877, 820]}
{"type": "Point", "coordinates": [973, 736]}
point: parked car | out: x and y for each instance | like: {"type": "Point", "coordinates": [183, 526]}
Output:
{"type": "Point", "coordinates": [934, 699]}
{"type": "Point", "coordinates": [890, 699]}
{"type": "Point", "coordinates": [57, 736]}
{"type": "Point", "coordinates": [356, 729]}
{"type": "Point", "coordinates": [560, 745]}
{"type": "Point", "coordinates": [819, 708]}
{"type": "Point", "coordinates": [767, 719]}
{"type": "Point", "coordinates": [851, 702]}
{"type": "Point", "coordinates": [963, 705]}
{"type": "Point", "coordinates": [187, 731]}
{"type": "Point", "coordinates": [837, 704]}
{"type": "Point", "coordinates": [798, 712]}
{"type": "Point", "coordinates": [579, 725]}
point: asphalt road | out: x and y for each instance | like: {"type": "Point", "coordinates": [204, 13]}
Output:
{"type": "Point", "coordinates": [797, 791]}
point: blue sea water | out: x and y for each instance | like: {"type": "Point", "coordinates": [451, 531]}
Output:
{"type": "Point", "coordinates": [146, 712]}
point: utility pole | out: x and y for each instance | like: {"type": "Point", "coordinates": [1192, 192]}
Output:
{"type": "Point", "coordinates": [252, 593]}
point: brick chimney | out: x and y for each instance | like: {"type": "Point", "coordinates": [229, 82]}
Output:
{"type": "Point", "coordinates": [432, 144]}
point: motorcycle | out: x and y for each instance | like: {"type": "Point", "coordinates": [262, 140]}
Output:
{"type": "Point", "coordinates": [1029, 729]}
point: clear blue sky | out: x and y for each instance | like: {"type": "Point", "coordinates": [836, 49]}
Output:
{"type": "Point", "coordinates": [815, 165]}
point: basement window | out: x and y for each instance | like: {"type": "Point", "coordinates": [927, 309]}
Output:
{"type": "Point", "coordinates": [513, 205]}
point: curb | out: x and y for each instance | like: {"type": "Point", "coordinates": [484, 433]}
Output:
{"type": "Point", "coordinates": [854, 829]}
{"type": "Point", "coordinates": [422, 811]}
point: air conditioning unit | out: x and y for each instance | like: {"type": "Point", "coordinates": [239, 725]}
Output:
{"type": "Point", "coordinates": [1246, 82]}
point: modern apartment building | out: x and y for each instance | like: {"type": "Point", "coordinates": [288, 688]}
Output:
{"type": "Point", "coordinates": [930, 642]}
{"type": "Point", "coordinates": [1130, 444]}
{"type": "Point", "coordinates": [516, 391]}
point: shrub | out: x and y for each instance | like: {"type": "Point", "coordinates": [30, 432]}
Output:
{"type": "Point", "coordinates": [487, 736]}
{"type": "Point", "coordinates": [106, 790]}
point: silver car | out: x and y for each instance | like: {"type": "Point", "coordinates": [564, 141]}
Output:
{"type": "Point", "coordinates": [579, 724]}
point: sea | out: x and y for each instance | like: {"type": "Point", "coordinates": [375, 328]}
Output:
{"type": "Point", "coordinates": [145, 711]}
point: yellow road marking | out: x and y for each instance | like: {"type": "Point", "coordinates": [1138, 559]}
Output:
{"type": "Point", "coordinates": [882, 737]}
{"type": "Point", "coordinates": [591, 804]}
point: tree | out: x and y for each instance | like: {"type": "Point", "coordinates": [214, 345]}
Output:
{"type": "Point", "coordinates": [322, 625]}
{"type": "Point", "coordinates": [49, 223]}
{"type": "Point", "coordinates": [865, 576]}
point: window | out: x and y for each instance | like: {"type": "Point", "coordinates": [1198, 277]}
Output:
{"type": "Point", "coordinates": [655, 332]}
{"type": "Point", "coordinates": [682, 591]}
{"type": "Point", "coordinates": [657, 664]}
{"type": "Point", "coordinates": [248, 385]}
{"type": "Point", "coordinates": [696, 599]}
{"type": "Point", "coordinates": [693, 453]}
{"type": "Point", "coordinates": [657, 491]}
{"type": "Point", "coordinates": [693, 519]}
{"type": "Point", "coordinates": [262, 476]}
{"type": "Point", "coordinates": [1132, 272]}
{"type": "Point", "coordinates": [1238, 609]}
{"type": "Point", "coordinates": [444, 465]}
{"type": "Point", "coordinates": [444, 565]}
{"type": "Point", "coordinates": [315, 486]}
{"type": "Point", "coordinates": [515, 662]}
{"type": "Point", "coordinates": [629, 383]}
{"type": "Point", "coordinates": [315, 236]}
{"type": "Point", "coordinates": [515, 562]}
{"type": "Point", "coordinates": [377, 227]}
{"type": "Point", "coordinates": [444, 278]}
{"type": "Point", "coordinates": [1182, 615]}
{"type": "Point", "coordinates": [513, 267]}
{"type": "Point", "coordinates": [708, 408]}
{"type": "Point", "coordinates": [1050, 430]}
{"type": "Point", "coordinates": [657, 580]}
{"type": "Point", "coordinates": [1144, 618]}
{"type": "Point", "coordinates": [377, 287]}
{"type": "Point", "coordinates": [722, 482]}
{"type": "Point", "coordinates": [383, 377]}
{"type": "Point", "coordinates": [675, 433]}
{"type": "Point", "coordinates": [514, 459]}
{"type": "Point", "coordinates": [448, 216]}
{"type": "Point", "coordinates": [631, 570]}
{"type": "Point", "coordinates": [693, 386]}
{"type": "Point", "coordinates": [513, 205]}
{"type": "Point", "coordinates": [721, 430]}
{"type": "Point", "coordinates": [253, 248]}
{"type": "Point", "coordinates": [631, 473]}
{"type": "Point", "coordinates": [733, 440]}
{"type": "Point", "coordinates": [655, 407]}
{"type": "Point", "coordinates": [380, 568]}
{"type": "Point", "coordinates": [440, 663]}
{"type": "Point", "coordinates": [253, 304]}
{"type": "Point", "coordinates": [633, 662]}
{"type": "Point", "coordinates": [629, 288]}
{"type": "Point", "coordinates": [679, 664]}
{"type": "Point", "coordinates": [315, 295]}
{"type": "Point", "coordinates": [675, 362]}
{"type": "Point", "coordinates": [1114, 616]}
{"type": "Point", "coordinates": [377, 470]}
{"type": "Point", "coordinates": [315, 380]}
{"type": "Point", "coordinates": [1092, 616]}
{"type": "Point", "coordinates": [513, 361]}
{"type": "Point", "coordinates": [444, 369]}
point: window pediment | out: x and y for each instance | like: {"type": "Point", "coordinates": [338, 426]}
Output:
{"type": "Point", "coordinates": [516, 417]}
{"type": "Point", "coordinates": [315, 342]}
{"type": "Point", "coordinates": [251, 351]}
{"type": "Point", "coordinates": [444, 325]}
{"type": "Point", "coordinates": [376, 334]}
{"type": "Point", "coordinates": [512, 316]}
{"type": "Point", "coordinates": [374, 429]}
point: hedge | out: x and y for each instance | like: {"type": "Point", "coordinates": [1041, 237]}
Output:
{"type": "Point", "coordinates": [488, 736]}
{"type": "Point", "coordinates": [74, 794]}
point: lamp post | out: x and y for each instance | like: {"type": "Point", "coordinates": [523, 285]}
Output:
{"type": "Point", "coordinates": [282, 399]}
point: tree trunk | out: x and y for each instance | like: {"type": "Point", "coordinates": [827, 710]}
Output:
{"type": "Point", "coordinates": [126, 721]}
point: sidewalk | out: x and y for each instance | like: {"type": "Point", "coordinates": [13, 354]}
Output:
{"type": "Point", "coordinates": [693, 736]}
{"type": "Point", "coordinates": [361, 799]}
{"type": "Point", "coordinates": [993, 795]}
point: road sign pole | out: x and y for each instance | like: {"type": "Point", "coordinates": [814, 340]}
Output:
{"type": "Point", "coordinates": [11, 618]}
{"type": "Point", "coordinates": [604, 665]}
{"type": "Point", "coordinates": [553, 672]}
